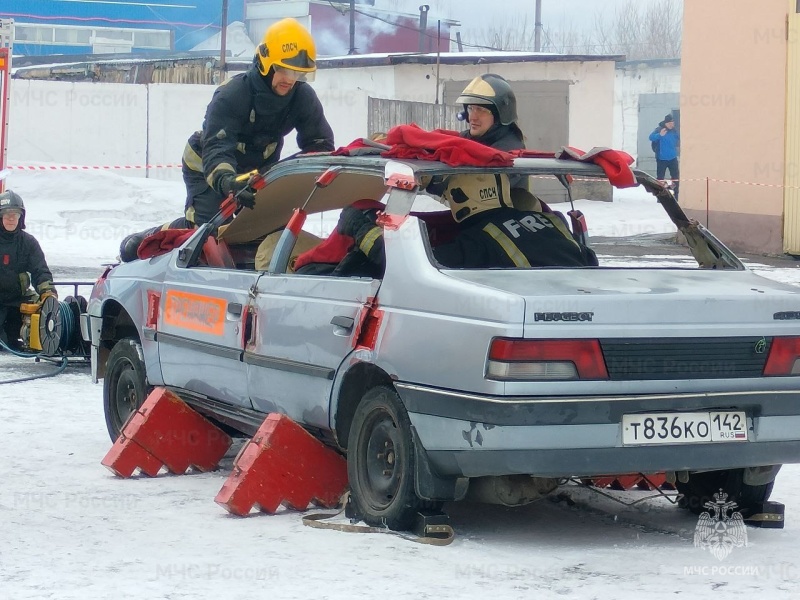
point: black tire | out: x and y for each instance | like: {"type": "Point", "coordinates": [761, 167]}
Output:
{"type": "Point", "coordinates": [380, 461]}
{"type": "Point", "coordinates": [701, 488]}
{"type": "Point", "coordinates": [125, 385]}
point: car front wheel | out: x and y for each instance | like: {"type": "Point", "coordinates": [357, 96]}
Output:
{"type": "Point", "coordinates": [125, 385]}
{"type": "Point", "coordinates": [380, 461]}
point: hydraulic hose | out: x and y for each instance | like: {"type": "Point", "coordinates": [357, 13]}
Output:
{"type": "Point", "coordinates": [57, 371]}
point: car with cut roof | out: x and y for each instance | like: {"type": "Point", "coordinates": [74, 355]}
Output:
{"type": "Point", "coordinates": [442, 383]}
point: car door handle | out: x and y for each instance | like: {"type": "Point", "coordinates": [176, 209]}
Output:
{"type": "Point", "coordinates": [235, 309]}
{"type": "Point", "coordinates": [343, 322]}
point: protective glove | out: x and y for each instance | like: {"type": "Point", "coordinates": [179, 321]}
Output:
{"type": "Point", "coordinates": [360, 225]}
{"type": "Point", "coordinates": [354, 221]}
{"type": "Point", "coordinates": [437, 185]}
{"type": "Point", "coordinates": [230, 184]}
{"type": "Point", "coordinates": [24, 283]}
{"type": "Point", "coordinates": [47, 289]}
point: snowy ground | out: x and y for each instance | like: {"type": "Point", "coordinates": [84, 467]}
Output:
{"type": "Point", "coordinates": [70, 529]}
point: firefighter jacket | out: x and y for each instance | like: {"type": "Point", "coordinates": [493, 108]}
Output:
{"type": "Point", "coordinates": [244, 127]}
{"type": "Point", "coordinates": [497, 238]}
{"type": "Point", "coordinates": [506, 138]}
{"type": "Point", "coordinates": [506, 237]}
{"type": "Point", "coordinates": [20, 256]}
{"type": "Point", "coordinates": [500, 137]}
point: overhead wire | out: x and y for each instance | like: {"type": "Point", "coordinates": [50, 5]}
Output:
{"type": "Point", "coordinates": [450, 40]}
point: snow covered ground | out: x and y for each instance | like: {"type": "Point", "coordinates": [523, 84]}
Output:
{"type": "Point", "coordinates": [70, 529]}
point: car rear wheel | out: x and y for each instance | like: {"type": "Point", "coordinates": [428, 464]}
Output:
{"type": "Point", "coordinates": [380, 461]}
{"type": "Point", "coordinates": [701, 488]}
{"type": "Point", "coordinates": [125, 385]}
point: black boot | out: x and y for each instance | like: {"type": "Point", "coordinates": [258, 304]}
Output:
{"type": "Point", "coordinates": [130, 245]}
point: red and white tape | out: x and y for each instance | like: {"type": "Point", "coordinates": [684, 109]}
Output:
{"type": "Point", "coordinates": [178, 166]}
{"type": "Point", "coordinates": [87, 167]}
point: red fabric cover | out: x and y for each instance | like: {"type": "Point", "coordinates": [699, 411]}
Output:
{"type": "Point", "coordinates": [354, 148]}
{"type": "Point", "coordinates": [411, 141]}
{"type": "Point", "coordinates": [162, 242]}
{"type": "Point", "coordinates": [334, 248]}
{"type": "Point", "coordinates": [615, 163]}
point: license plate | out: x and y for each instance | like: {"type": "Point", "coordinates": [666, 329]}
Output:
{"type": "Point", "coordinates": [684, 428]}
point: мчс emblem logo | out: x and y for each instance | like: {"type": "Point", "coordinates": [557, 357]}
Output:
{"type": "Point", "coordinates": [721, 528]}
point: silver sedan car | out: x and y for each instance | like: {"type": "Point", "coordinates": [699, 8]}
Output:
{"type": "Point", "coordinates": [441, 383]}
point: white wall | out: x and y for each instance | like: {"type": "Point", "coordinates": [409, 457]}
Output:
{"type": "Point", "coordinates": [104, 124]}
{"type": "Point", "coordinates": [176, 111]}
{"type": "Point", "coordinates": [77, 123]}
{"type": "Point", "coordinates": [633, 79]}
{"type": "Point", "coordinates": [92, 124]}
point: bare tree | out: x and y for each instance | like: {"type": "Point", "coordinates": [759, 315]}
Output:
{"type": "Point", "coordinates": [637, 30]}
{"type": "Point", "coordinates": [514, 34]}
{"type": "Point", "coordinates": [640, 31]}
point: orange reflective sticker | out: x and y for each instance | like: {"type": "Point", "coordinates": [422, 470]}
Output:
{"type": "Point", "coordinates": [195, 312]}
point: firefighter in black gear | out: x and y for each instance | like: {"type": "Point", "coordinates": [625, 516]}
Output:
{"type": "Point", "coordinates": [492, 235]}
{"type": "Point", "coordinates": [490, 109]}
{"type": "Point", "coordinates": [248, 117]}
{"type": "Point", "coordinates": [22, 262]}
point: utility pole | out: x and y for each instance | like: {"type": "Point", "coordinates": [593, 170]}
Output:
{"type": "Point", "coordinates": [352, 27]}
{"type": "Point", "coordinates": [537, 28]}
{"type": "Point", "coordinates": [6, 50]}
{"type": "Point", "coordinates": [223, 34]}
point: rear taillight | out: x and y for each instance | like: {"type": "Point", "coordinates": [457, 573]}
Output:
{"type": "Point", "coordinates": [545, 360]}
{"type": "Point", "coordinates": [783, 358]}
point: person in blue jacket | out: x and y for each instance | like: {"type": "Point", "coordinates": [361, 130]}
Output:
{"type": "Point", "coordinates": [666, 142]}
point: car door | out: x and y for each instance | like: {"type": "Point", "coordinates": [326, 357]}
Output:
{"type": "Point", "coordinates": [201, 331]}
{"type": "Point", "coordinates": [303, 328]}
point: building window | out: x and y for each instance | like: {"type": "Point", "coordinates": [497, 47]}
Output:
{"type": "Point", "coordinates": [65, 35]}
{"type": "Point", "coordinates": [159, 40]}
{"type": "Point", "coordinates": [122, 35]}
{"type": "Point", "coordinates": [33, 33]}
{"type": "Point", "coordinates": [73, 36]}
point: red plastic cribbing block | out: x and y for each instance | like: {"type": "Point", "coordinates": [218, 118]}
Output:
{"type": "Point", "coordinates": [126, 456]}
{"type": "Point", "coordinates": [626, 482]}
{"type": "Point", "coordinates": [283, 464]}
{"type": "Point", "coordinates": [166, 431]}
{"type": "Point", "coordinates": [630, 481]}
{"type": "Point", "coordinates": [653, 481]}
{"type": "Point", "coordinates": [602, 482]}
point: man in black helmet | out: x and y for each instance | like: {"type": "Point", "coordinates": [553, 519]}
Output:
{"type": "Point", "coordinates": [22, 262]}
{"type": "Point", "coordinates": [490, 109]}
{"type": "Point", "coordinates": [248, 117]}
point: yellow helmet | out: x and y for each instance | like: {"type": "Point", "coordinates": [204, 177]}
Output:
{"type": "Point", "coordinates": [288, 46]}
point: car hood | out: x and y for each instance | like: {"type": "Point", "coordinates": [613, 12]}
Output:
{"type": "Point", "coordinates": [653, 298]}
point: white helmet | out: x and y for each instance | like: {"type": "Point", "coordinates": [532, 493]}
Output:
{"type": "Point", "coordinates": [469, 195]}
